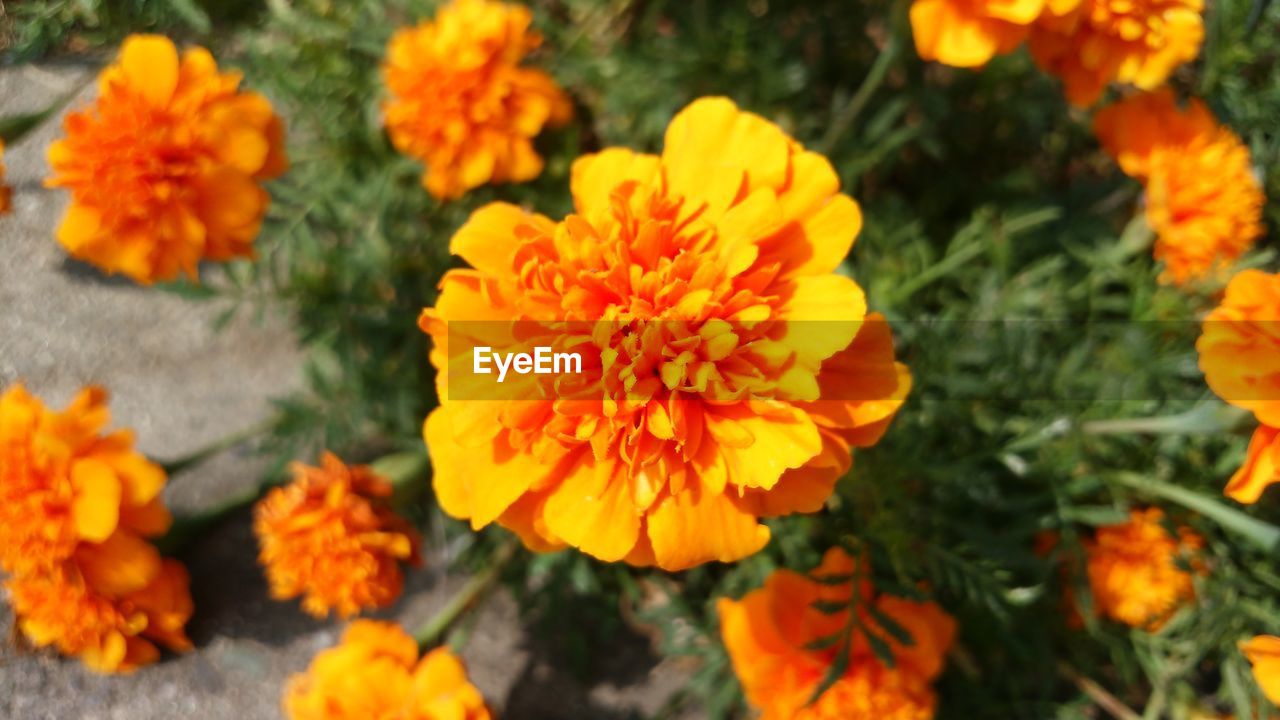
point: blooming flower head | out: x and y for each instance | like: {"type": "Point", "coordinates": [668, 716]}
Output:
{"type": "Point", "coordinates": [1133, 570]}
{"type": "Point", "coordinates": [76, 508]}
{"type": "Point", "coordinates": [462, 103]}
{"type": "Point", "coordinates": [772, 636]}
{"type": "Point", "coordinates": [1202, 199]}
{"type": "Point", "coordinates": [6, 193]}
{"type": "Point", "coordinates": [968, 33]}
{"type": "Point", "coordinates": [729, 368]}
{"type": "Point", "coordinates": [65, 483]}
{"type": "Point", "coordinates": [110, 605]}
{"type": "Point", "coordinates": [1239, 345]}
{"type": "Point", "coordinates": [165, 168]}
{"type": "Point", "coordinates": [375, 674]}
{"type": "Point", "coordinates": [330, 537]}
{"type": "Point", "coordinates": [1135, 42]}
{"type": "Point", "coordinates": [1263, 653]}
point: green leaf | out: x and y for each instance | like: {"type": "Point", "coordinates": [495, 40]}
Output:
{"type": "Point", "coordinates": [829, 607]}
{"type": "Point", "coordinates": [891, 627]}
{"type": "Point", "coordinates": [193, 15]}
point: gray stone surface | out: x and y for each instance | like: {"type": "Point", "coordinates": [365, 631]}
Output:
{"type": "Point", "coordinates": [181, 386]}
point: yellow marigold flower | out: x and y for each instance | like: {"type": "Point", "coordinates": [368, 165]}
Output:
{"type": "Point", "coordinates": [109, 605]}
{"type": "Point", "coordinates": [1239, 345]}
{"type": "Point", "coordinates": [330, 537]}
{"type": "Point", "coordinates": [1133, 570]}
{"type": "Point", "coordinates": [165, 168]}
{"type": "Point", "coordinates": [705, 274]}
{"type": "Point", "coordinates": [1261, 467]}
{"type": "Point", "coordinates": [1202, 198]}
{"type": "Point", "coordinates": [1263, 653]}
{"type": "Point", "coordinates": [1136, 42]}
{"type": "Point", "coordinates": [6, 193]}
{"type": "Point", "coordinates": [462, 103]}
{"type": "Point", "coordinates": [375, 673]}
{"type": "Point", "coordinates": [771, 632]}
{"type": "Point", "coordinates": [64, 483]}
{"type": "Point", "coordinates": [968, 33]}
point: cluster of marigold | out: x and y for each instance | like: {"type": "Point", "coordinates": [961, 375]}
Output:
{"type": "Point", "coordinates": [734, 230]}
{"type": "Point", "coordinates": [1203, 199]}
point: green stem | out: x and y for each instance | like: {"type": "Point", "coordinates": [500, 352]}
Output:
{"type": "Point", "coordinates": [1263, 534]}
{"type": "Point", "coordinates": [1095, 692]}
{"type": "Point", "coordinates": [1207, 418]}
{"type": "Point", "coordinates": [940, 269]}
{"type": "Point", "coordinates": [872, 82]}
{"type": "Point", "coordinates": [14, 127]}
{"type": "Point", "coordinates": [187, 528]}
{"type": "Point", "coordinates": [190, 460]}
{"type": "Point", "coordinates": [466, 598]}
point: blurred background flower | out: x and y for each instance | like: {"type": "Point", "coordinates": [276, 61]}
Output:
{"type": "Point", "coordinates": [165, 167]}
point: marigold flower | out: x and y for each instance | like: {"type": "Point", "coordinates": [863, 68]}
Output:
{"type": "Point", "coordinates": [968, 33]}
{"type": "Point", "coordinates": [1202, 198]}
{"type": "Point", "coordinates": [165, 168]}
{"type": "Point", "coordinates": [462, 103]}
{"type": "Point", "coordinates": [76, 507]}
{"type": "Point", "coordinates": [1239, 345]}
{"type": "Point", "coordinates": [6, 193]}
{"type": "Point", "coordinates": [706, 274]}
{"type": "Point", "coordinates": [1097, 42]}
{"type": "Point", "coordinates": [772, 633]}
{"type": "Point", "coordinates": [330, 537]}
{"type": "Point", "coordinates": [1133, 570]}
{"type": "Point", "coordinates": [109, 606]}
{"type": "Point", "coordinates": [375, 673]}
{"type": "Point", "coordinates": [64, 483]}
{"type": "Point", "coordinates": [1263, 652]}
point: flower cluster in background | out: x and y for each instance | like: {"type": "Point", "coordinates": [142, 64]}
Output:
{"type": "Point", "coordinates": [462, 102]}
{"type": "Point", "coordinates": [1203, 200]}
{"type": "Point", "coordinates": [692, 475]}
{"type": "Point", "coordinates": [1088, 44]}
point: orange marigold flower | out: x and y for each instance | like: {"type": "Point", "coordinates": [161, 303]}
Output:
{"type": "Point", "coordinates": [1239, 345]}
{"type": "Point", "coordinates": [76, 507]}
{"type": "Point", "coordinates": [1097, 42]}
{"type": "Point", "coordinates": [772, 633]}
{"type": "Point", "coordinates": [1263, 653]}
{"type": "Point", "coordinates": [330, 537]}
{"type": "Point", "coordinates": [968, 33]}
{"type": "Point", "coordinates": [109, 606]}
{"type": "Point", "coordinates": [165, 168]}
{"type": "Point", "coordinates": [1202, 198]}
{"type": "Point", "coordinates": [735, 368]}
{"type": "Point", "coordinates": [1261, 467]}
{"type": "Point", "coordinates": [6, 193]}
{"type": "Point", "coordinates": [1133, 570]}
{"type": "Point", "coordinates": [462, 103]}
{"type": "Point", "coordinates": [375, 673]}
{"type": "Point", "coordinates": [64, 483]}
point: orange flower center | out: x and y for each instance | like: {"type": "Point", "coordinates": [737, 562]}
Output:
{"type": "Point", "coordinates": [142, 161]}
{"type": "Point", "coordinates": [674, 320]}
